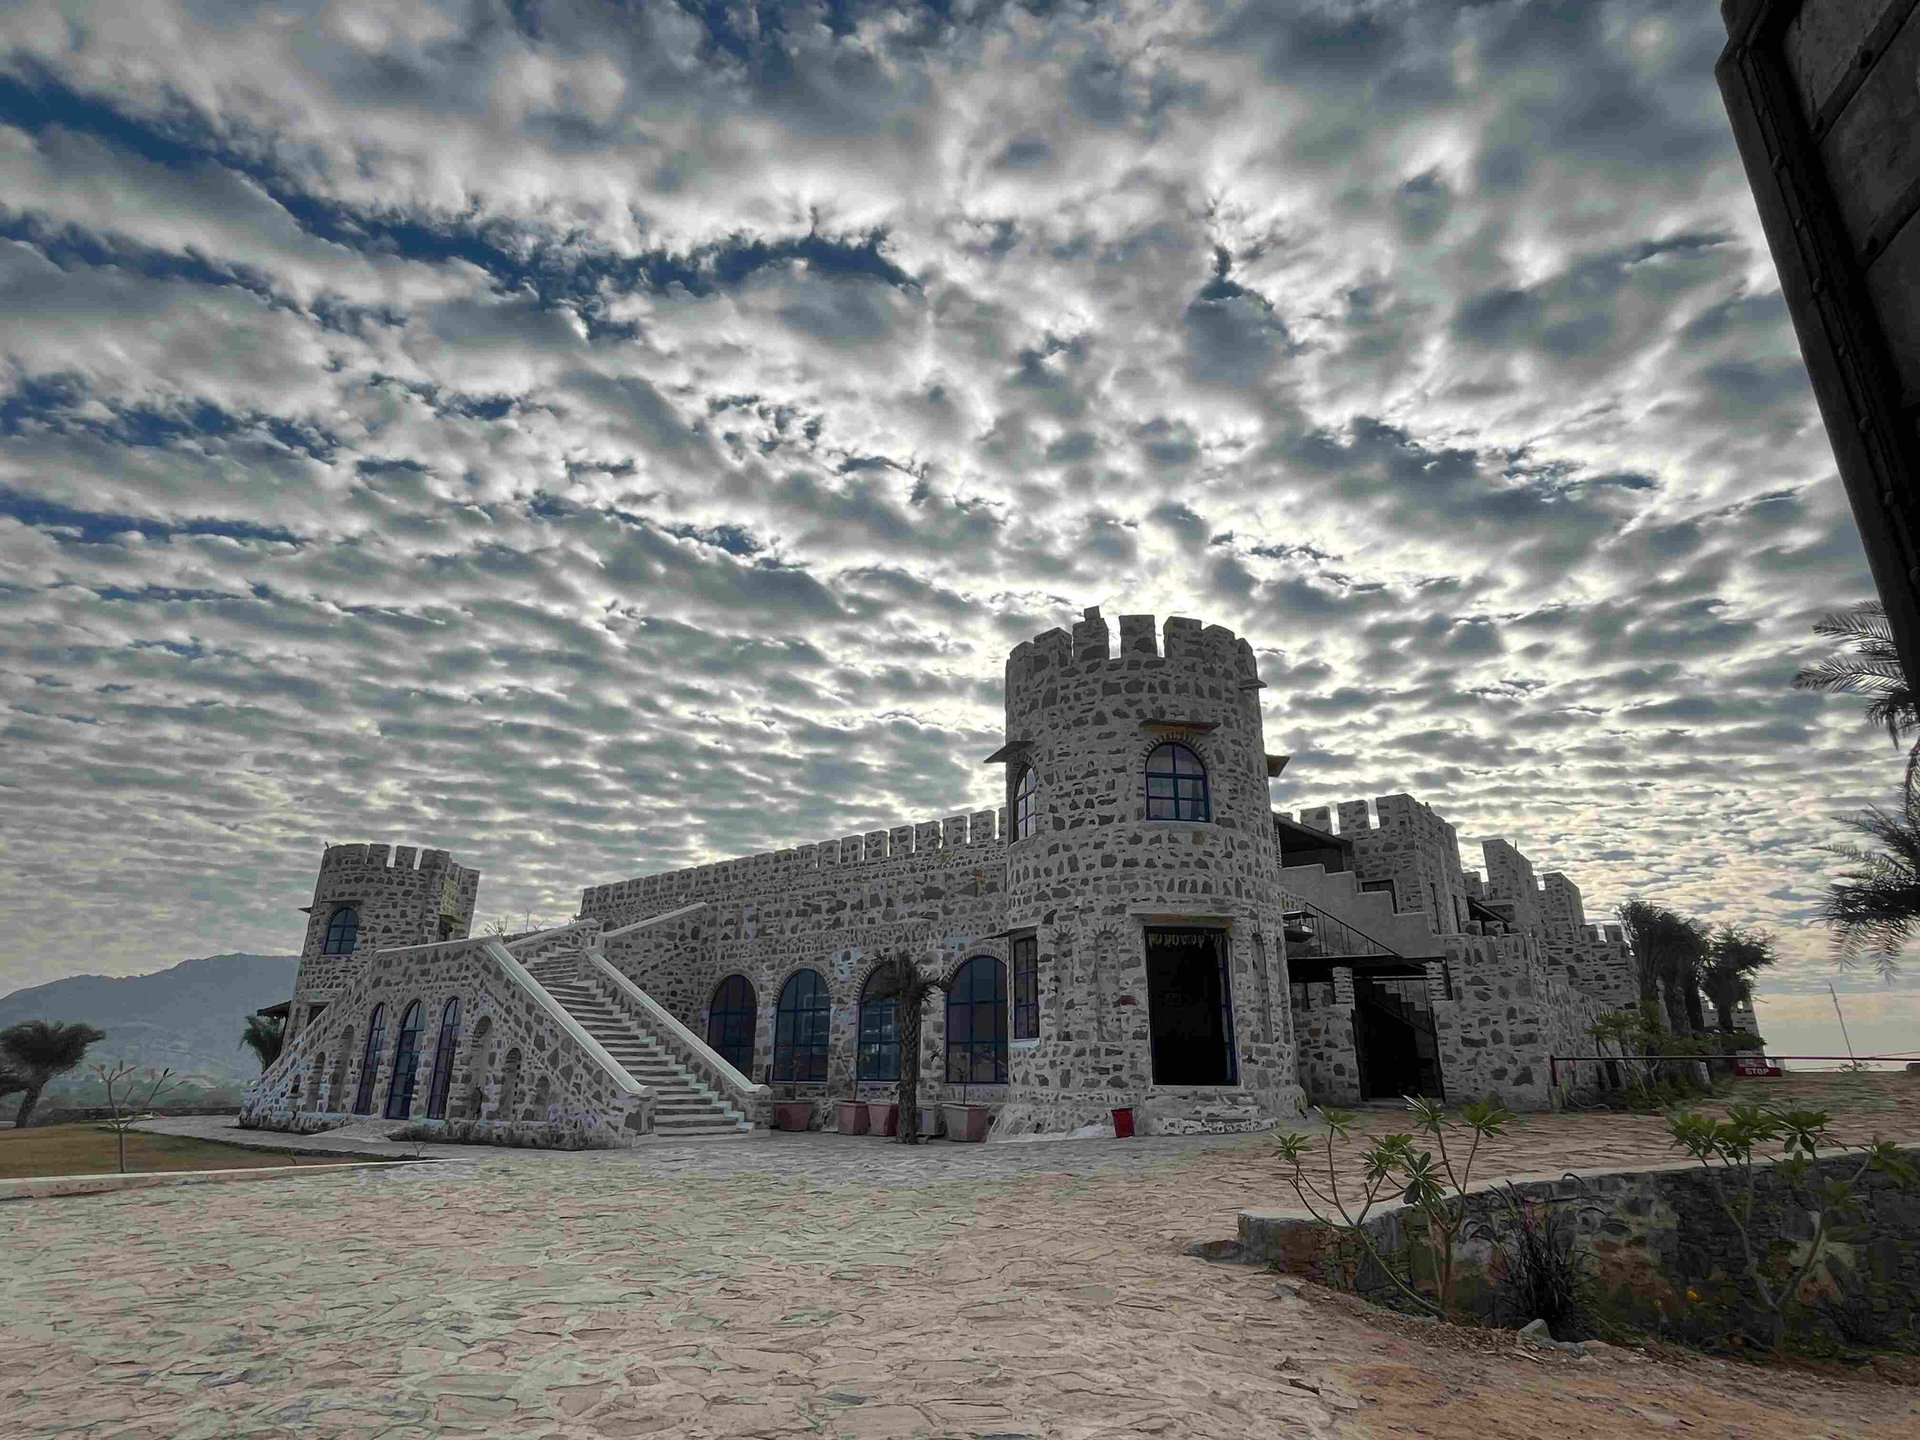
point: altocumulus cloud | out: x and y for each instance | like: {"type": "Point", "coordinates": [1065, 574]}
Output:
{"type": "Point", "coordinates": [602, 437]}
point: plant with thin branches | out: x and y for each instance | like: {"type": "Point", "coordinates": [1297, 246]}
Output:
{"type": "Point", "coordinates": [266, 1036]}
{"type": "Point", "coordinates": [1434, 1186]}
{"type": "Point", "coordinates": [126, 1105]}
{"type": "Point", "coordinates": [1728, 1149]}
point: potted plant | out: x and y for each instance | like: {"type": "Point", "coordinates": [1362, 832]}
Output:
{"type": "Point", "coordinates": [850, 1117]}
{"type": "Point", "coordinates": [883, 1117]}
{"type": "Point", "coordinates": [792, 1114]}
{"type": "Point", "coordinates": [967, 1123]}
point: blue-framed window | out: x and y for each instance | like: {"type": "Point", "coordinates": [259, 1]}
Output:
{"type": "Point", "coordinates": [1176, 785]}
{"type": "Point", "coordinates": [802, 1030]}
{"type": "Point", "coordinates": [731, 1017]}
{"type": "Point", "coordinates": [343, 931]}
{"type": "Point", "coordinates": [878, 1054]}
{"type": "Point", "coordinates": [443, 1053]}
{"type": "Point", "coordinates": [977, 1023]}
{"type": "Point", "coordinates": [406, 1062]}
{"type": "Point", "coordinates": [1026, 803]}
{"type": "Point", "coordinates": [370, 1060]}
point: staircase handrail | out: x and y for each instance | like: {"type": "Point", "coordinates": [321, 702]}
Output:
{"type": "Point", "coordinates": [712, 1059]}
{"type": "Point", "coordinates": [1295, 901]}
{"type": "Point", "coordinates": [518, 973]}
{"type": "Point", "coordinates": [660, 919]}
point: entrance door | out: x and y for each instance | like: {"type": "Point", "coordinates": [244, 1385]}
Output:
{"type": "Point", "coordinates": [1190, 1008]}
{"type": "Point", "coordinates": [1393, 1033]}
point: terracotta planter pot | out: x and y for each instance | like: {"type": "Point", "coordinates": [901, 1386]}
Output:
{"type": "Point", "coordinates": [967, 1123]}
{"type": "Point", "coordinates": [793, 1114]}
{"type": "Point", "coordinates": [883, 1118]}
{"type": "Point", "coordinates": [850, 1116]}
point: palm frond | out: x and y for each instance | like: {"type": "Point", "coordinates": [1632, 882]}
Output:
{"type": "Point", "coordinates": [1865, 621]}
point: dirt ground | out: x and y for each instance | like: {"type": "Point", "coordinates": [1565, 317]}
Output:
{"type": "Point", "coordinates": [88, 1149]}
{"type": "Point", "coordinates": [819, 1285]}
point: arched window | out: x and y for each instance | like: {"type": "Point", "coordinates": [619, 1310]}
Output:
{"type": "Point", "coordinates": [878, 1054]}
{"type": "Point", "coordinates": [801, 1027]}
{"type": "Point", "coordinates": [370, 1061]}
{"type": "Point", "coordinates": [406, 1062]}
{"type": "Point", "coordinates": [443, 1049]}
{"type": "Point", "coordinates": [977, 1023]}
{"type": "Point", "coordinates": [343, 931]}
{"type": "Point", "coordinates": [1026, 802]}
{"type": "Point", "coordinates": [1176, 785]}
{"type": "Point", "coordinates": [731, 1016]}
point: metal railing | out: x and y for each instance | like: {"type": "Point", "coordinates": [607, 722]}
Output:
{"type": "Point", "coordinates": [1314, 934]}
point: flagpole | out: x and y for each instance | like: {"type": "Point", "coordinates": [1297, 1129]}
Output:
{"type": "Point", "coordinates": [1843, 1024]}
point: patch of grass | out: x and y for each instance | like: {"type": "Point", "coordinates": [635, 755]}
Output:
{"type": "Point", "coordinates": [89, 1150]}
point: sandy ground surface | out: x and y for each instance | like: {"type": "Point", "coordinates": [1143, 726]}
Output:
{"type": "Point", "coordinates": [814, 1285]}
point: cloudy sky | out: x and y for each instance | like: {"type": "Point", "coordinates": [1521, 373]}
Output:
{"type": "Point", "coordinates": [598, 437]}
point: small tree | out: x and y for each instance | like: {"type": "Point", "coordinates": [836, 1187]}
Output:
{"type": "Point", "coordinates": [125, 1102]}
{"type": "Point", "coordinates": [39, 1050]}
{"type": "Point", "coordinates": [266, 1036]}
{"type": "Point", "coordinates": [899, 977]}
{"type": "Point", "coordinates": [1725, 1150]}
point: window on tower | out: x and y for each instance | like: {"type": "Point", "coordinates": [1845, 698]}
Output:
{"type": "Point", "coordinates": [1176, 785]}
{"type": "Point", "coordinates": [1026, 803]}
{"type": "Point", "coordinates": [343, 931]}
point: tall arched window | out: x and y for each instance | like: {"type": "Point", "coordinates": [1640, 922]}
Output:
{"type": "Point", "coordinates": [1026, 803]}
{"type": "Point", "coordinates": [731, 1016]}
{"type": "Point", "coordinates": [977, 1023]}
{"type": "Point", "coordinates": [343, 931]}
{"type": "Point", "coordinates": [406, 1062]}
{"type": "Point", "coordinates": [1176, 785]}
{"type": "Point", "coordinates": [443, 1050]}
{"type": "Point", "coordinates": [370, 1061]}
{"type": "Point", "coordinates": [801, 1028]}
{"type": "Point", "coordinates": [878, 1054]}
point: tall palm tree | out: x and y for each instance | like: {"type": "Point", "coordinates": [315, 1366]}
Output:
{"type": "Point", "coordinates": [1866, 663]}
{"type": "Point", "coordinates": [899, 977]}
{"type": "Point", "coordinates": [265, 1035]}
{"type": "Point", "coordinates": [1873, 909]}
{"type": "Point", "coordinates": [1733, 957]}
{"type": "Point", "coordinates": [1668, 949]}
{"type": "Point", "coordinates": [40, 1050]}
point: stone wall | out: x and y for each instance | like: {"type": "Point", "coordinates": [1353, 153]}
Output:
{"type": "Point", "coordinates": [1508, 1017]}
{"type": "Point", "coordinates": [1664, 1256]}
{"type": "Point", "coordinates": [1410, 847]}
{"type": "Point", "coordinates": [1324, 1043]}
{"type": "Point", "coordinates": [516, 1065]}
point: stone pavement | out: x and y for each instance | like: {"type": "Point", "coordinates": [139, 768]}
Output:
{"type": "Point", "coordinates": [795, 1285]}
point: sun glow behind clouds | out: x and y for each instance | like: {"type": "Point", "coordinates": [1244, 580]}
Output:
{"type": "Point", "coordinates": [601, 438]}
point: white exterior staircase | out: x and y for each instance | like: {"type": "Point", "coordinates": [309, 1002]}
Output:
{"type": "Point", "coordinates": [683, 1103]}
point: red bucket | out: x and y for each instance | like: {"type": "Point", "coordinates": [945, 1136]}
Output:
{"type": "Point", "coordinates": [1123, 1123]}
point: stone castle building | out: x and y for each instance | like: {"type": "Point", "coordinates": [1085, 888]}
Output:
{"type": "Point", "coordinates": [1135, 927]}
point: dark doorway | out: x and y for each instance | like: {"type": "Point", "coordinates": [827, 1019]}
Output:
{"type": "Point", "coordinates": [1189, 1008]}
{"type": "Point", "coordinates": [1393, 1032]}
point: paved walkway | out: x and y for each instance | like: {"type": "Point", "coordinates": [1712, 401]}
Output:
{"type": "Point", "coordinates": [797, 1285]}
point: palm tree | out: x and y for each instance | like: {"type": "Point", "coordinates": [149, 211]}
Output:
{"type": "Point", "coordinates": [40, 1050]}
{"type": "Point", "coordinates": [1873, 909]}
{"type": "Point", "coordinates": [1733, 957]}
{"type": "Point", "coordinates": [1667, 949]}
{"type": "Point", "coordinates": [265, 1035]}
{"type": "Point", "coordinates": [1867, 663]}
{"type": "Point", "coordinates": [899, 978]}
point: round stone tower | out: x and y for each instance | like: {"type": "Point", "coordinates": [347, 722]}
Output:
{"type": "Point", "coordinates": [376, 897]}
{"type": "Point", "coordinates": [1143, 899]}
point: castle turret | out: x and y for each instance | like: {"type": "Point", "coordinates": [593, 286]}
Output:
{"type": "Point", "coordinates": [375, 897]}
{"type": "Point", "coordinates": [1142, 875]}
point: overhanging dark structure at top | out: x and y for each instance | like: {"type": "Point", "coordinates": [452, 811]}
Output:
{"type": "Point", "coordinates": [1826, 110]}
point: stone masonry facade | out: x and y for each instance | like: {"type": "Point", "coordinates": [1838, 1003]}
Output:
{"type": "Point", "coordinates": [1118, 934]}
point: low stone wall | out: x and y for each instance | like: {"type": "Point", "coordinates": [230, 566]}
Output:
{"type": "Point", "coordinates": [1663, 1256]}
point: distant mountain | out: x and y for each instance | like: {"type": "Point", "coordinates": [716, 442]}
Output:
{"type": "Point", "coordinates": [189, 1017]}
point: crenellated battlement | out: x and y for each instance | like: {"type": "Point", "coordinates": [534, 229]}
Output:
{"type": "Point", "coordinates": [1395, 812]}
{"type": "Point", "coordinates": [1088, 648]}
{"type": "Point", "coordinates": [383, 857]}
{"type": "Point", "coordinates": [975, 832]}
